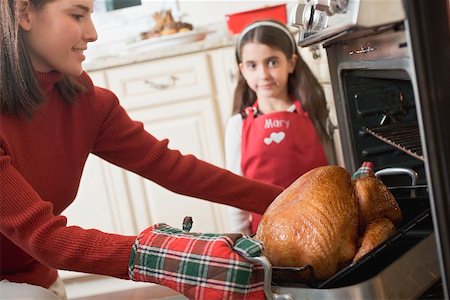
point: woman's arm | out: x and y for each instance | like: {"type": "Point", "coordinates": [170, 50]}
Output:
{"type": "Point", "coordinates": [124, 142]}
{"type": "Point", "coordinates": [29, 222]}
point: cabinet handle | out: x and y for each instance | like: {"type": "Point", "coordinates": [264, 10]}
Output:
{"type": "Point", "coordinates": [315, 51]}
{"type": "Point", "coordinates": [162, 86]}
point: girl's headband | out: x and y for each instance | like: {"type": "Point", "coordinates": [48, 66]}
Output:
{"type": "Point", "coordinates": [265, 23]}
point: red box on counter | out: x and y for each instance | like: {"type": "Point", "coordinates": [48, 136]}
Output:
{"type": "Point", "coordinates": [238, 21]}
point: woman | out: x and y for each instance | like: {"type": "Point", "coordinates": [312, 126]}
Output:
{"type": "Point", "coordinates": [52, 118]}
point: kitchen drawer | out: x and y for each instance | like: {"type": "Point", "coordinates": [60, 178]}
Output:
{"type": "Point", "coordinates": [162, 81]}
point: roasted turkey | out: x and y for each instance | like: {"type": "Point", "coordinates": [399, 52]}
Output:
{"type": "Point", "coordinates": [326, 219]}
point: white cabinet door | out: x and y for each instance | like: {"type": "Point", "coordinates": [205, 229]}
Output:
{"type": "Point", "coordinates": [98, 78]}
{"type": "Point", "coordinates": [174, 99]}
{"type": "Point", "coordinates": [177, 99]}
{"type": "Point", "coordinates": [101, 202]}
{"type": "Point", "coordinates": [225, 70]}
{"type": "Point", "coordinates": [191, 127]}
{"type": "Point", "coordinates": [316, 58]}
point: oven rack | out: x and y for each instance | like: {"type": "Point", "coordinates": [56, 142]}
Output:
{"type": "Point", "coordinates": [402, 135]}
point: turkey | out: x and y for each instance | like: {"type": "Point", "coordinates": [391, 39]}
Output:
{"type": "Point", "coordinates": [326, 219]}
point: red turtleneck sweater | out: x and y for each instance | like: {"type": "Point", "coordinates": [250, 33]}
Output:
{"type": "Point", "coordinates": [41, 162]}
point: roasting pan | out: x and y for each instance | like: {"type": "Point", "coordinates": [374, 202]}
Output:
{"type": "Point", "coordinates": [400, 267]}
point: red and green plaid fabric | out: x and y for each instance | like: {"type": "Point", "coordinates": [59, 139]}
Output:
{"type": "Point", "coordinates": [365, 170]}
{"type": "Point", "coordinates": [199, 266]}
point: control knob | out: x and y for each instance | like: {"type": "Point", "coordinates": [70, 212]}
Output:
{"type": "Point", "coordinates": [313, 14]}
{"type": "Point", "coordinates": [331, 7]}
{"type": "Point", "coordinates": [307, 17]}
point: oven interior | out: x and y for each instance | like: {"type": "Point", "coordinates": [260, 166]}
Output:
{"type": "Point", "coordinates": [382, 102]}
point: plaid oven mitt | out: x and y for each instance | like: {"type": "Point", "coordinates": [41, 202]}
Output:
{"type": "Point", "coordinates": [199, 266]}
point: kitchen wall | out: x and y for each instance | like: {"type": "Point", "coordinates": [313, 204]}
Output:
{"type": "Point", "coordinates": [117, 28]}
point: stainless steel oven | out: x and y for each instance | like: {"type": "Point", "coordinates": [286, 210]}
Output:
{"type": "Point", "coordinates": [389, 67]}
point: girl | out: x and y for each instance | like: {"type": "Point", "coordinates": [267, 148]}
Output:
{"type": "Point", "coordinates": [52, 117]}
{"type": "Point", "coordinates": [278, 130]}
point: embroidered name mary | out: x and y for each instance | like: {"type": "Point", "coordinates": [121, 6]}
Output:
{"type": "Point", "coordinates": [269, 123]}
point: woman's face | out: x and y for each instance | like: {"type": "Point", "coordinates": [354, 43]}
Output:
{"type": "Point", "coordinates": [266, 70]}
{"type": "Point", "coordinates": [57, 34]}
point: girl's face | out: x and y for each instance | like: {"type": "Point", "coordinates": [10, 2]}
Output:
{"type": "Point", "coordinates": [266, 70]}
{"type": "Point", "coordinates": [57, 34]}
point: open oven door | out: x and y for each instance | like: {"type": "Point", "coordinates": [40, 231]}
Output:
{"type": "Point", "coordinates": [429, 28]}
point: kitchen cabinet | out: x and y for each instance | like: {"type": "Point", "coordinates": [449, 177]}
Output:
{"type": "Point", "coordinates": [178, 98]}
{"type": "Point", "coordinates": [225, 70]}
{"type": "Point", "coordinates": [174, 98]}
{"type": "Point", "coordinates": [102, 201]}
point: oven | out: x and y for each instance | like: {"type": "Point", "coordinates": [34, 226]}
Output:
{"type": "Point", "coordinates": [389, 69]}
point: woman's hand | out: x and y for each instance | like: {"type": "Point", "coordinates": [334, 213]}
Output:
{"type": "Point", "coordinates": [199, 266]}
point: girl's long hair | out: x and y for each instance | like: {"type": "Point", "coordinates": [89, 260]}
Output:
{"type": "Point", "coordinates": [20, 93]}
{"type": "Point", "coordinates": [302, 84]}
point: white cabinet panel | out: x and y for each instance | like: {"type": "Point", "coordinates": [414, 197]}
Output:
{"type": "Point", "coordinates": [98, 78]}
{"type": "Point", "coordinates": [102, 200]}
{"type": "Point", "coordinates": [100, 203]}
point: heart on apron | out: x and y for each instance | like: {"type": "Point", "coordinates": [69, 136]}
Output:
{"type": "Point", "coordinates": [276, 137]}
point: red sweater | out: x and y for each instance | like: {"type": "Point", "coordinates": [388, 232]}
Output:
{"type": "Point", "coordinates": [41, 162]}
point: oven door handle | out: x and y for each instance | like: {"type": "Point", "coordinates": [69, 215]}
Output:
{"type": "Point", "coordinates": [400, 171]}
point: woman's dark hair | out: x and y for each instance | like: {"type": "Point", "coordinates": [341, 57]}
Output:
{"type": "Point", "coordinates": [20, 93]}
{"type": "Point", "coordinates": [302, 84]}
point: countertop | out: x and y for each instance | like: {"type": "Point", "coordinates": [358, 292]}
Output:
{"type": "Point", "coordinates": [211, 41]}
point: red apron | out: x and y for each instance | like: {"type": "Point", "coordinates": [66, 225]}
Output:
{"type": "Point", "coordinates": [279, 147]}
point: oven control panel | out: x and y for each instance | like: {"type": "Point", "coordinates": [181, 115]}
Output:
{"type": "Point", "coordinates": [324, 20]}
